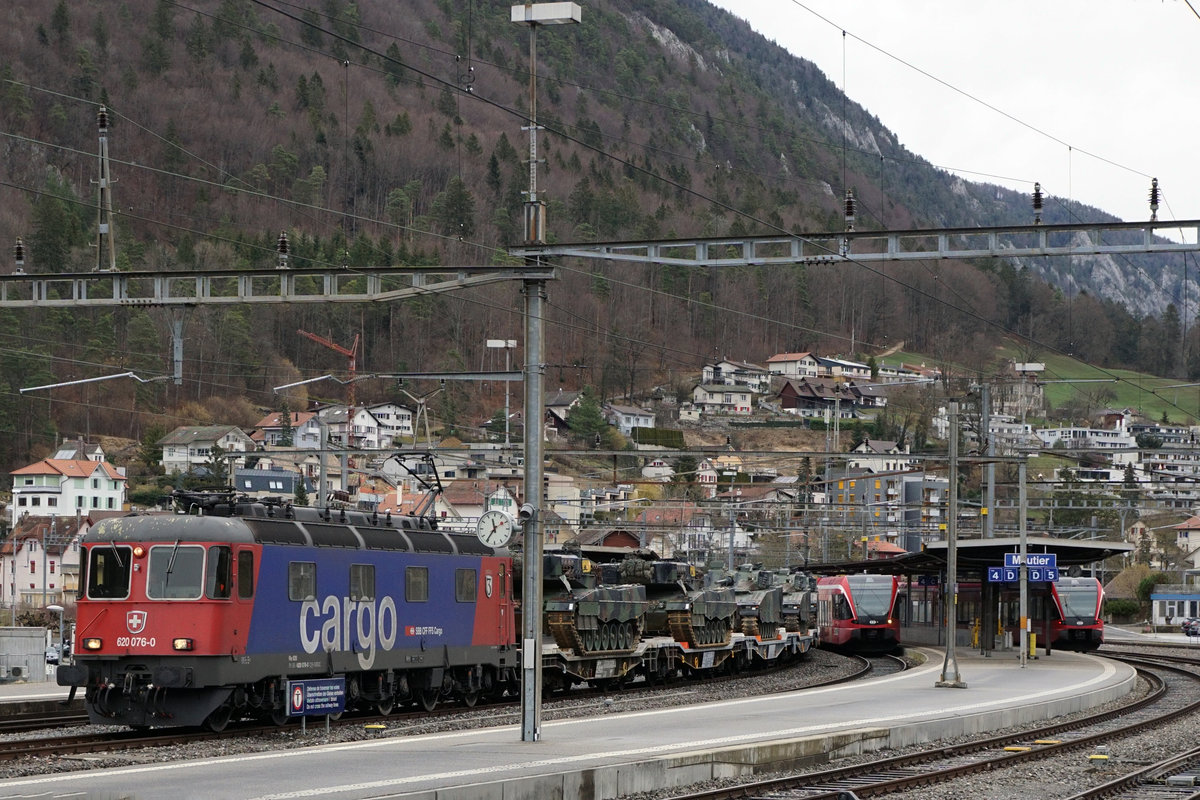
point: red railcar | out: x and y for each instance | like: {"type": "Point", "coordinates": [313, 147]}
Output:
{"type": "Point", "coordinates": [1078, 623]}
{"type": "Point", "coordinates": [858, 612]}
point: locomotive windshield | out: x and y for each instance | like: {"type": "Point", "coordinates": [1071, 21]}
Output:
{"type": "Point", "coordinates": [176, 573]}
{"type": "Point", "coordinates": [1077, 601]}
{"type": "Point", "coordinates": [108, 572]}
{"type": "Point", "coordinates": [872, 594]}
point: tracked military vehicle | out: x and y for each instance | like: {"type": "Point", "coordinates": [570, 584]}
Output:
{"type": "Point", "coordinates": [680, 606]}
{"type": "Point", "coordinates": [759, 601]}
{"type": "Point", "coordinates": [582, 613]}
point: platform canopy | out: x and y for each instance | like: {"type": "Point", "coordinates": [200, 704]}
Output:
{"type": "Point", "coordinates": [976, 555]}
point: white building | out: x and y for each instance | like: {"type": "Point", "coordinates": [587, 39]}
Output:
{"type": "Point", "coordinates": [189, 447]}
{"type": "Point", "coordinates": [53, 487]}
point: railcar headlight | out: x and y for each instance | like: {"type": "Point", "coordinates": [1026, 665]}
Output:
{"type": "Point", "coordinates": [183, 644]}
{"type": "Point", "coordinates": [92, 643]}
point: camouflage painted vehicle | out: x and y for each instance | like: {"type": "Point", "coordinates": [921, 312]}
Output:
{"type": "Point", "coordinates": [798, 597]}
{"type": "Point", "coordinates": [680, 606]}
{"type": "Point", "coordinates": [584, 615]}
{"type": "Point", "coordinates": [759, 601]}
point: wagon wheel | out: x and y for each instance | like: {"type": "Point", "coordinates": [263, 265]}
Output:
{"type": "Point", "coordinates": [469, 699]}
{"type": "Point", "coordinates": [427, 698]}
{"type": "Point", "coordinates": [219, 718]}
{"type": "Point", "coordinates": [279, 716]}
{"type": "Point", "coordinates": [384, 707]}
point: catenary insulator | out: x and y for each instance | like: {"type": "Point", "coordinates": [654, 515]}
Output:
{"type": "Point", "coordinates": [102, 119]}
{"type": "Point", "coordinates": [849, 209]}
{"type": "Point", "coordinates": [281, 247]}
{"type": "Point", "coordinates": [19, 252]}
{"type": "Point", "coordinates": [1037, 204]}
{"type": "Point", "coordinates": [1154, 198]}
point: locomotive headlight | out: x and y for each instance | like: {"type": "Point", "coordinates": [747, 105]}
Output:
{"type": "Point", "coordinates": [139, 551]}
{"type": "Point", "coordinates": [183, 644]}
{"type": "Point", "coordinates": [92, 643]}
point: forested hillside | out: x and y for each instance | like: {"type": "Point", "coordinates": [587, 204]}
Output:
{"type": "Point", "coordinates": [390, 133]}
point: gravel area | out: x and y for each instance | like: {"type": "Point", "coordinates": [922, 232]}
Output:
{"type": "Point", "coordinates": [816, 667]}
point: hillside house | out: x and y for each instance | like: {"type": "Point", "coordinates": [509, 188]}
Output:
{"type": "Point", "coordinates": [736, 373]}
{"type": "Point", "coordinates": [841, 369]}
{"type": "Point", "coordinates": [558, 408]}
{"type": "Point", "coordinates": [395, 422]}
{"type": "Point", "coordinates": [626, 418]}
{"type": "Point", "coordinates": [793, 365]}
{"type": "Point", "coordinates": [716, 399]}
{"type": "Point", "coordinates": [60, 488]}
{"type": "Point", "coordinates": [306, 432]}
{"type": "Point", "coordinates": [816, 397]}
{"type": "Point", "coordinates": [261, 483]}
{"type": "Point", "coordinates": [189, 447]}
{"type": "Point", "coordinates": [39, 561]}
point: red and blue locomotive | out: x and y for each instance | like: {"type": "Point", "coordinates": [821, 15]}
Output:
{"type": "Point", "coordinates": [858, 612]}
{"type": "Point", "coordinates": [200, 618]}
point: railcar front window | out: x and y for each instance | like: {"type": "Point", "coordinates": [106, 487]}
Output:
{"type": "Point", "coordinates": [1077, 601]}
{"type": "Point", "coordinates": [108, 572]}
{"type": "Point", "coordinates": [872, 595]}
{"type": "Point", "coordinates": [176, 572]}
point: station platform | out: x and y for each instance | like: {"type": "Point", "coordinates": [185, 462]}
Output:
{"type": "Point", "coordinates": [624, 749]}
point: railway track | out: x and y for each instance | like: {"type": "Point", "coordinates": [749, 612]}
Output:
{"type": "Point", "coordinates": [1172, 696]}
{"type": "Point", "coordinates": [498, 713]}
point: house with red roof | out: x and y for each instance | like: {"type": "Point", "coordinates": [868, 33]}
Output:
{"type": "Point", "coordinates": [66, 487]}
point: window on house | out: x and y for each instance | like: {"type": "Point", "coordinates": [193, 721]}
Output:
{"type": "Point", "coordinates": [22, 500]}
{"type": "Point", "coordinates": [110, 503]}
{"type": "Point", "coordinates": [32, 567]}
{"type": "Point", "coordinates": [78, 502]}
{"type": "Point", "coordinates": [35, 501]}
{"type": "Point", "coordinates": [50, 568]}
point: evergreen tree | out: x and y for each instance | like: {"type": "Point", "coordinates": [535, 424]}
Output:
{"type": "Point", "coordinates": [301, 495]}
{"type": "Point", "coordinates": [286, 434]}
{"type": "Point", "coordinates": [218, 468]}
{"type": "Point", "coordinates": [60, 22]}
{"type": "Point", "coordinates": [149, 451]}
{"type": "Point", "coordinates": [454, 209]}
{"type": "Point", "coordinates": [586, 420]}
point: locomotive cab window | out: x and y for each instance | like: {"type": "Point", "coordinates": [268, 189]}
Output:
{"type": "Point", "coordinates": [176, 572]}
{"type": "Point", "coordinates": [218, 582]}
{"type": "Point", "coordinates": [464, 585]}
{"type": "Point", "coordinates": [245, 574]}
{"type": "Point", "coordinates": [302, 580]}
{"type": "Point", "coordinates": [362, 582]}
{"type": "Point", "coordinates": [416, 584]}
{"type": "Point", "coordinates": [108, 571]}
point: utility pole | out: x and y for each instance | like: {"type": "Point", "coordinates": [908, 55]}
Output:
{"type": "Point", "coordinates": [950, 675]}
{"type": "Point", "coordinates": [989, 469]}
{"type": "Point", "coordinates": [533, 15]}
{"type": "Point", "coordinates": [1024, 580]}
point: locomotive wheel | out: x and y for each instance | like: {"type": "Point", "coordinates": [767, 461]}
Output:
{"type": "Point", "coordinates": [469, 699]}
{"type": "Point", "coordinates": [427, 698]}
{"type": "Point", "coordinates": [279, 716]}
{"type": "Point", "coordinates": [384, 707]}
{"type": "Point", "coordinates": [219, 718]}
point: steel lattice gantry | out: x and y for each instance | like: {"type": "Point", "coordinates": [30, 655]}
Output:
{"type": "Point", "coordinates": [1081, 239]}
{"type": "Point", "coordinates": [249, 285]}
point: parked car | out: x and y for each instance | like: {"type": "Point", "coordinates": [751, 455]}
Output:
{"type": "Point", "coordinates": [52, 654]}
{"type": "Point", "coordinates": [1190, 626]}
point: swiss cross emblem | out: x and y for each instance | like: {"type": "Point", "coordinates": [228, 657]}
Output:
{"type": "Point", "coordinates": [135, 621]}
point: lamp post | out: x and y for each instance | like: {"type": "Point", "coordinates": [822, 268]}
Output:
{"type": "Point", "coordinates": [533, 15]}
{"type": "Point", "coordinates": [58, 610]}
{"type": "Point", "coordinates": [507, 345]}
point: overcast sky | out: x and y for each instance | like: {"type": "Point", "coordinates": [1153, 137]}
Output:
{"type": "Point", "coordinates": [1091, 98]}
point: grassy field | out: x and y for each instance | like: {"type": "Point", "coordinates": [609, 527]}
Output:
{"type": "Point", "coordinates": [1067, 379]}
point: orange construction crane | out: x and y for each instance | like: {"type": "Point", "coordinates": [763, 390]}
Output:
{"type": "Point", "coordinates": [351, 355]}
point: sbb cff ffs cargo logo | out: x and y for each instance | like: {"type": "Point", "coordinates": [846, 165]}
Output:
{"type": "Point", "coordinates": [135, 621]}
